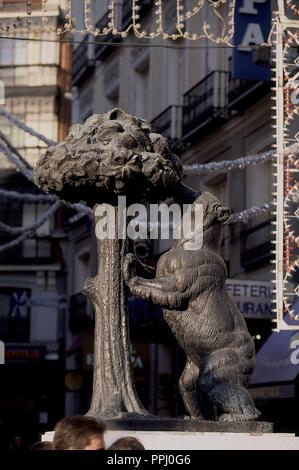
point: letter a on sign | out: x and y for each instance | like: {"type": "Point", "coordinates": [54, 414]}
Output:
{"type": "Point", "coordinates": [253, 36]}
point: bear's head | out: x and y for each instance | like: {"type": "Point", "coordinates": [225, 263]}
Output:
{"type": "Point", "coordinates": [208, 229]}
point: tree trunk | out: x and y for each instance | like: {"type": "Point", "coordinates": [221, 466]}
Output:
{"type": "Point", "coordinates": [113, 388]}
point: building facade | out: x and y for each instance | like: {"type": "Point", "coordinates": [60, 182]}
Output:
{"type": "Point", "coordinates": [35, 73]}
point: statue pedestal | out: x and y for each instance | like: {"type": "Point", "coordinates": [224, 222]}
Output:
{"type": "Point", "coordinates": [194, 434]}
{"type": "Point", "coordinates": [174, 440]}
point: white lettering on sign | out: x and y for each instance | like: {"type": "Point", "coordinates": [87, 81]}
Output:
{"type": "Point", "coordinates": [253, 298]}
{"type": "Point", "coordinates": [294, 359]}
{"type": "Point", "coordinates": [248, 7]}
{"type": "Point", "coordinates": [253, 36]}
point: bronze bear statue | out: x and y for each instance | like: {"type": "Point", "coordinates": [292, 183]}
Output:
{"type": "Point", "coordinates": [190, 286]}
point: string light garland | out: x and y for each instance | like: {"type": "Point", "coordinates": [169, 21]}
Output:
{"type": "Point", "coordinates": [45, 198]}
{"type": "Point", "coordinates": [242, 217]}
{"type": "Point", "coordinates": [15, 160]}
{"type": "Point", "coordinates": [29, 232]}
{"type": "Point", "coordinates": [255, 211]}
{"type": "Point", "coordinates": [25, 197]}
{"type": "Point", "coordinates": [225, 165]}
{"type": "Point", "coordinates": [21, 125]}
{"type": "Point", "coordinates": [26, 171]}
{"type": "Point", "coordinates": [181, 16]}
{"type": "Point", "coordinates": [229, 165]}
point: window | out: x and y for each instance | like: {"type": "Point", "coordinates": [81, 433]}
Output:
{"type": "Point", "coordinates": [14, 314]}
{"type": "Point", "coordinates": [256, 235]}
{"type": "Point", "coordinates": [39, 247]}
{"type": "Point", "coordinates": [6, 52]}
{"type": "Point", "coordinates": [18, 52]}
{"type": "Point", "coordinates": [217, 186]}
{"type": "Point", "coordinates": [111, 83]}
{"type": "Point", "coordinates": [142, 94]}
{"type": "Point", "coordinates": [86, 102]}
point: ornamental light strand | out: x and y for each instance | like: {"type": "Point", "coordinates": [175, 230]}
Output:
{"type": "Point", "coordinates": [222, 10]}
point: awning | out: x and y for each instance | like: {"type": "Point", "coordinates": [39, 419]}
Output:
{"type": "Point", "coordinates": [276, 360]}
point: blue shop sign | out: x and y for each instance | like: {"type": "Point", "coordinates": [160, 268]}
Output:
{"type": "Point", "coordinates": [252, 27]}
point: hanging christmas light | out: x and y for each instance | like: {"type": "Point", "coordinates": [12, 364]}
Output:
{"type": "Point", "coordinates": [181, 16]}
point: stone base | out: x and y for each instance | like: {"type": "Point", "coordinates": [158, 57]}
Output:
{"type": "Point", "coordinates": [138, 423]}
{"type": "Point", "coordinates": [174, 440]}
{"type": "Point", "coordinates": [194, 434]}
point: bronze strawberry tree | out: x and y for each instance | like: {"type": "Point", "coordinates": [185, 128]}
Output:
{"type": "Point", "coordinates": [111, 155]}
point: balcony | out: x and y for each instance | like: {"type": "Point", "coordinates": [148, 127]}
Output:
{"type": "Point", "coordinates": [205, 105]}
{"type": "Point", "coordinates": [256, 245]}
{"type": "Point", "coordinates": [83, 65]}
{"type": "Point", "coordinates": [103, 50]}
{"type": "Point", "coordinates": [242, 93]}
{"type": "Point", "coordinates": [168, 123]}
{"type": "Point", "coordinates": [145, 6]}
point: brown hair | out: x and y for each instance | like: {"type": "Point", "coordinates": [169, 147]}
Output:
{"type": "Point", "coordinates": [76, 432]}
{"type": "Point", "coordinates": [126, 443]}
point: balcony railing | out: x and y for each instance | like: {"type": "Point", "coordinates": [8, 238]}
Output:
{"type": "Point", "coordinates": [144, 5]}
{"type": "Point", "coordinates": [82, 64]}
{"type": "Point", "coordinates": [256, 246]}
{"type": "Point", "coordinates": [103, 50]}
{"type": "Point", "coordinates": [243, 92]}
{"type": "Point", "coordinates": [205, 104]}
{"type": "Point", "coordinates": [168, 122]}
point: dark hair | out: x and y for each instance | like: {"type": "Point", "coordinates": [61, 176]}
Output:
{"type": "Point", "coordinates": [127, 443]}
{"type": "Point", "coordinates": [76, 432]}
{"type": "Point", "coordinates": [42, 445]}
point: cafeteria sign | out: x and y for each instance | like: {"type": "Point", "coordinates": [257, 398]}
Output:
{"type": "Point", "coordinates": [253, 298]}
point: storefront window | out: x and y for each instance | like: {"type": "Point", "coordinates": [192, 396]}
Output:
{"type": "Point", "coordinates": [14, 314]}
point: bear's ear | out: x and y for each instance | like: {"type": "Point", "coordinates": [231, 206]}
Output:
{"type": "Point", "coordinates": [223, 214]}
{"type": "Point", "coordinates": [116, 113]}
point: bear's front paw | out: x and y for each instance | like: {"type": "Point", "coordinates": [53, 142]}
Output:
{"type": "Point", "coordinates": [128, 260]}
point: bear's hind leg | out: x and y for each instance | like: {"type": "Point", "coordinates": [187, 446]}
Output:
{"type": "Point", "coordinates": [221, 381]}
{"type": "Point", "coordinates": [188, 386]}
{"type": "Point", "coordinates": [233, 403]}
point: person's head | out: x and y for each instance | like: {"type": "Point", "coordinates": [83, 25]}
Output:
{"type": "Point", "coordinates": [127, 443]}
{"type": "Point", "coordinates": [79, 433]}
{"type": "Point", "coordinates": [42, 445]}
{"type": "Point", "coordinates": [17, 440]}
